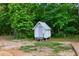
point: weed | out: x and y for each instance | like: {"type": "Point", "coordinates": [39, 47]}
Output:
{"type": "Point", "coordinates": [28, 48]}
{"type": "Point", "coordinates": [55, 46]}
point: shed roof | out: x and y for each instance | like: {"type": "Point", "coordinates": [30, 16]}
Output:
{"type": "Point", "coordinates": [43, 24]}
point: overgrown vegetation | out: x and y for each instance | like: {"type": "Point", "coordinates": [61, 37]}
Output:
{"type": "Point", "coordinates": [28, 48]}
{"type": "Point", "coordinates": [55, 46]}
{"type": "Point", "coordinates": [19, 19]}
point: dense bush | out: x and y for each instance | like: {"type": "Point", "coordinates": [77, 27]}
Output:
{"type": "Point", "coordinates": [19, 19]}
{"type": "Point", "coordinates": [70, 30]}
{"type": "Point", "coordinates": [22, 19]}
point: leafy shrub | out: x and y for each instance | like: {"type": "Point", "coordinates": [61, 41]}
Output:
{"type": "Point", "coordinates": [70, 30]}
{"type": "Point", "coordinates": [22, 19]}
{"type": "Point", "coordinates": [59, 35]}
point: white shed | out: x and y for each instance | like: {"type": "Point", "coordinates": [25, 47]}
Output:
{"type": "Point", "coordinates": [42, 30]}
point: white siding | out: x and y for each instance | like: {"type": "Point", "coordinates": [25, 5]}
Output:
{"type": "Point", "coordinates": [38, 32]}
{"type": "Point", "coordinates": [47, 34]}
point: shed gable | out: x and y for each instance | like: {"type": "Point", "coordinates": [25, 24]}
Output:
{"type": "Point", "coordinates": [43, 24]}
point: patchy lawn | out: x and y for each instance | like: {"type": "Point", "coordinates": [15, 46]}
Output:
{"type": "Point", "coordinates": [48, 48]}
{"type": "Point", "coordinates": [11, 46]}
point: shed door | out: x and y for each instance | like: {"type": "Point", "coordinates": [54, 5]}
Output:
{"type": "Point", "coordinates": [40, 31]}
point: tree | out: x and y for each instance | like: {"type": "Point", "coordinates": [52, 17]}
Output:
{"type": "Point", "coordinates": [21, 18]}
{"type": "Point", "coordinates": [4, 20]}
{"type": "Point", "coordinates": [58, 16]}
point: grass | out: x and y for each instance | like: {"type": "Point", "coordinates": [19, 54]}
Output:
{"type": "Point", "coordinates": [47, 44]}
{"type": "Point", "coordinates": [55, 46]}
{"type": "Point", "coordinates": [67, 38]}
{"type": "Point", "coordinates": [28, 48]}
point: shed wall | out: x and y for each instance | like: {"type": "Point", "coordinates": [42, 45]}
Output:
{"type": "Point", "coordinates": [47, 33]}
{"type": "Point", "coordinates": [41, 32]}
{"type": "Point", "coordinates": [38, 32]}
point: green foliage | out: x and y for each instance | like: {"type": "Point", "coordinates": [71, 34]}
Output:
{"type": "Point", "coordinates": [28, 48]}
{"type": "Point", "coordinates": [19, 19]}
{"type": "Point", "coordinates": [5, 27]}
{"type": "Point", "coordinates": [22, 18]}
{"type": "Point", "coordinates": [59, 35]}
{"type": "Point", "coordinates": [70, 30]}
{"type": "Point", "coordinates": [60, 15]}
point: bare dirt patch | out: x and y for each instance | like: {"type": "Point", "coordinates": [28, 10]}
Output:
{"type": "Point", "coordinates": [11, 52]}
{"type": "Point", "coordinates": [66, 53]}
{"type": "Point", "coordinates": [6, 44]}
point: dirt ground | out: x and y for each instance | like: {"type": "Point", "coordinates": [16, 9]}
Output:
{"type": "Point", "coordinates": [10, 48]}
